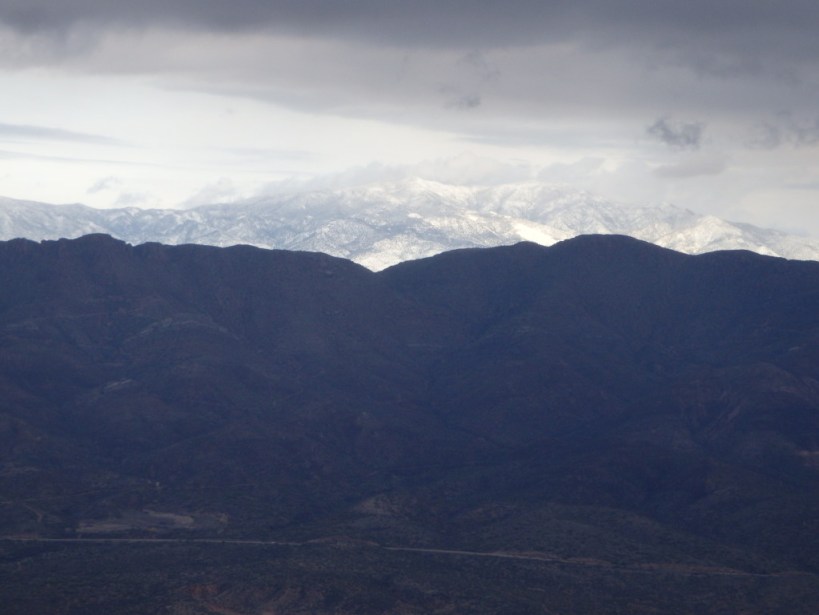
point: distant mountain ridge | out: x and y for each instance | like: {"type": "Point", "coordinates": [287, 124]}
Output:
{"type": "Point", "coordinates": [379, 225]}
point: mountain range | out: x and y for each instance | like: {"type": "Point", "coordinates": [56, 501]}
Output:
{"type": "Point", "coordinates": [599, 426]}
{"type": "Point", "coordinates": [379, 225]}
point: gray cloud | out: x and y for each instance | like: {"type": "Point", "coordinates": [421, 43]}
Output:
{"type": "Point", "coordinates": [577, 78]}
{"type": "Point", "coordinates": [813, 186]}
{"type": "Point", "coordinates": [742, 28]}
{"type": "Point", "coordinates": [20, 132]}
{"type": "Point", "coordinates": [765, 135]}
{"type": "Point", "coordinates": [785, 129]}
{"type": "Point", "coordinates": [467, 101]}
{"type": "Point", "coordinates": [678, 135]}
{"type": "Point", "coordinates": [694, 167]}
{"type": "Point", "coordinates": [806, 134]}
{"type": "Point", "coordinates": [422, 21]}
{"type": "Point", "coordinates": [18, 155]}
{"type": "Point", "coordinates": [535, 58]}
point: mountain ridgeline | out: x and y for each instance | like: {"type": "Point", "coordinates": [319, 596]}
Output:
{"type": "Point", "coordinates": [381, 224]}
{"type": "Point", "coordinates": [640, 423]}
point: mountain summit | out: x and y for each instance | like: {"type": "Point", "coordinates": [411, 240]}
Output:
{"type": "Point", "coordinates": [379, 225]}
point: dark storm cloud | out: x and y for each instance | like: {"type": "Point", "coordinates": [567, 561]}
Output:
{"type": "Point", "coordinates": [741, 24]}
{"type": "Point", "coordinates": [676, 134]}
{"type": "Point", "coordinates": [609, 53]}
{"type": "Point", "coordinates": [19, 132]}
{"type": "Point", "coordinates": [413, 21]}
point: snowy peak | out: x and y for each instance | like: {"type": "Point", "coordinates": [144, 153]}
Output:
{"type": "Point", "coordinates": [378, 225]}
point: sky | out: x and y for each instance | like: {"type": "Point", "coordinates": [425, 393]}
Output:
{"type": "Point", "coordinates": [712, 105]}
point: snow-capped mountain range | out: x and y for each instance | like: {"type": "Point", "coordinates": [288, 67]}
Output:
{"type": "Point", "coordinates": [378, 225]}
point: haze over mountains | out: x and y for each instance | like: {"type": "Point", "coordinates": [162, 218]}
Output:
{"type": "Point", "coordinates": [600, 426]}
{"type": "Point", "coordinates": [381, 224]}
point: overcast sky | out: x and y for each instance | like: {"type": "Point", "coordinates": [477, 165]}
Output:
{"type": "Point", "coordinates": [709, 104]}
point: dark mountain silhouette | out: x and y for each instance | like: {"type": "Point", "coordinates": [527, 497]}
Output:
{"type": "Point", "coordinates": [626, 429]}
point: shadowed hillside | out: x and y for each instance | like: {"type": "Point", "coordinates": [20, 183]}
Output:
{"type": "Point", "coordinates": [598, 426]}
